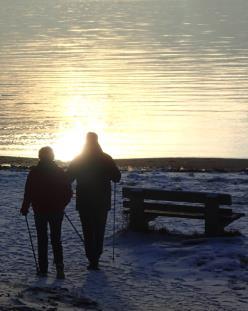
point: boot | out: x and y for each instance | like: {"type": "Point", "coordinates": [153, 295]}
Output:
{"type": "Point", "coordinates": [94, 265]}
{"type": "Point", "coordinates": [42, 274]}
{"type": "Point", "coordinates": [60, 272]}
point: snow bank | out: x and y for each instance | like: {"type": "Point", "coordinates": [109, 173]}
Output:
{"type": "Point", "coordinates": [181, 270]}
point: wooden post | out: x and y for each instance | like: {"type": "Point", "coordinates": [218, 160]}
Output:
{"type": "Point", "coordinates": [138, 221]}
{"type": "Point", "coordinates": [212, 225]}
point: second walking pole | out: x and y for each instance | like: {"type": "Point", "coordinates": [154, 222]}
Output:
{"type": "Point", "coordinates": [32, 245]}
{"type": "Point", "coordinates": [75, 229]}
{"type": "Point", "coordinates": [113, 255]}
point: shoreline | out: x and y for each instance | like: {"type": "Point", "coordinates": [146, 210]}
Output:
{"type": "Point", "coordinates": [167, 163]}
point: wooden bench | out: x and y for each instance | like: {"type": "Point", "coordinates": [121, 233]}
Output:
{"type": "Point", "coordinates": [144, 205]}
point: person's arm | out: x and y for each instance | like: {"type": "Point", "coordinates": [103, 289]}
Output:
{"type": "Point", "coordinates": [114, 172]}
{"type": "Point", "coordinates": [66, 190]}
{"type": "Point", "coordinates": [27, 196]}
{"type": "Point", "coordinates": [71, 171]}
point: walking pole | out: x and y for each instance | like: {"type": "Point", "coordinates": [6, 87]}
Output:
{"type": "Point", "coordinates": [113, 255]}
{"type": "Point", "coordinates": [32, 246]}
{"type": "Point", "coordinates": [75, 229]}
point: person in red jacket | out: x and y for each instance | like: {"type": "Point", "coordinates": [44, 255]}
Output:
{"type": "Point", "coordinates": [48, 191]}
{"type": "Point", "coordinates": [93, 171]}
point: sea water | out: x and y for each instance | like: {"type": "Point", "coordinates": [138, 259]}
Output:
{"type": "Point", "coordinates": [153, 78]}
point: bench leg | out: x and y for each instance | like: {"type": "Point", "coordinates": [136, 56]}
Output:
{"type": "Point", "coordinates": [212, 221]}
{"type": "Point", "coordinates": [213, 230]}
{"type": "Point", "coordinates": [138, 221]}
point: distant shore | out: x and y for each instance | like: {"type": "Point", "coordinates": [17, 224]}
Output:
{"type": "Point", "coordinates": [170, 164]}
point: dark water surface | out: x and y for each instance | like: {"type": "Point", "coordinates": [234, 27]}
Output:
{"type": "Point", "coordinates": [153, 78]}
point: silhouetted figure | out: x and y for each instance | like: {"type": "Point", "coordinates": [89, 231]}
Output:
{"type": "Point", "coordinates": [93, 171]}
{"type": "Point", "coordinates": [48, 191]}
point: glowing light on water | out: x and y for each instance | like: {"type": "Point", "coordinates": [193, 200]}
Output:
{"type": "Point", "coordinates": [168, 81]}
{"type": "Point", "coordinates": [69, 143]}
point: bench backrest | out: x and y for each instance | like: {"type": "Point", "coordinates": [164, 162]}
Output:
{"type": "Point", "coordinates": [177, 196]}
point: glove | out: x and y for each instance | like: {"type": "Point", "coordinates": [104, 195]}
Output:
{"type": "Point", "coordinates": [24, 210]}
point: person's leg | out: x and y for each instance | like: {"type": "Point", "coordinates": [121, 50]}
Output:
{"type": "Point", "coordinates": [55, 222]}
{"type": "Point", "coordinates": [41, 229]}
{"type": "Point", "coordinates": [100, 225]}
{"type": "Point", "coordinates": [93, 223]}
{"type": "Point", "coordinates": [88, 232]}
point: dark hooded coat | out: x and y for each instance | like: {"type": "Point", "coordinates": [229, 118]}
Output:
{"type": "Point", "coordinates": [93, 170]}
{"type": "Point", "coordinates": [47, 189]}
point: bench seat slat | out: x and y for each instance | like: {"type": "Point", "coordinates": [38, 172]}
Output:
{"type": "Point", "coordinates": [176, 208]}
{"type": "Point", "coordinates": [179, 196]}
{"type": "Point", "coordinates": [233, 216]}
{"type": "Point", "coordinates": [176, 214]}
{"type": "Point", "coordinates": [228, 218]}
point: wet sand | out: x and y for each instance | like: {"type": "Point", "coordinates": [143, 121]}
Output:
{"type": "Point", "coordinates": [177, 164]}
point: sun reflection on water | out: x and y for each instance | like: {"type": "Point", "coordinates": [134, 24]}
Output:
{"type": "Point", "coordinates": [83, 115]}
{"type": "Point", "coordinates": [69, 143]}
{"type": "Point", "coordinates": [155, 84]}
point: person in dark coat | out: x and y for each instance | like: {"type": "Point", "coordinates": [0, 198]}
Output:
{"type": "Point", "coordinates": [48, 190]}
{"type": "Point", "coordinates": [93, 170]}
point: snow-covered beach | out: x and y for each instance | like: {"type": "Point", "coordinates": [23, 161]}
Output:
{"type": "Point", "coordinates": [178, 270]}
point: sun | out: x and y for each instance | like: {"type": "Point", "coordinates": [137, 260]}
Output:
{"type": "Point", "coordinates": [70, 143]}
{"type": "Point", "coordinates": [83, 115]}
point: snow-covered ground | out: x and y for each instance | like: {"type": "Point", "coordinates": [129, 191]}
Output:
{"type": "Point", "coordinates": [181, 270]}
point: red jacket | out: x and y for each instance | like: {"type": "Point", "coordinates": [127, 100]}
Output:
{"type": "Point", "coordinates": [47, 189]}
